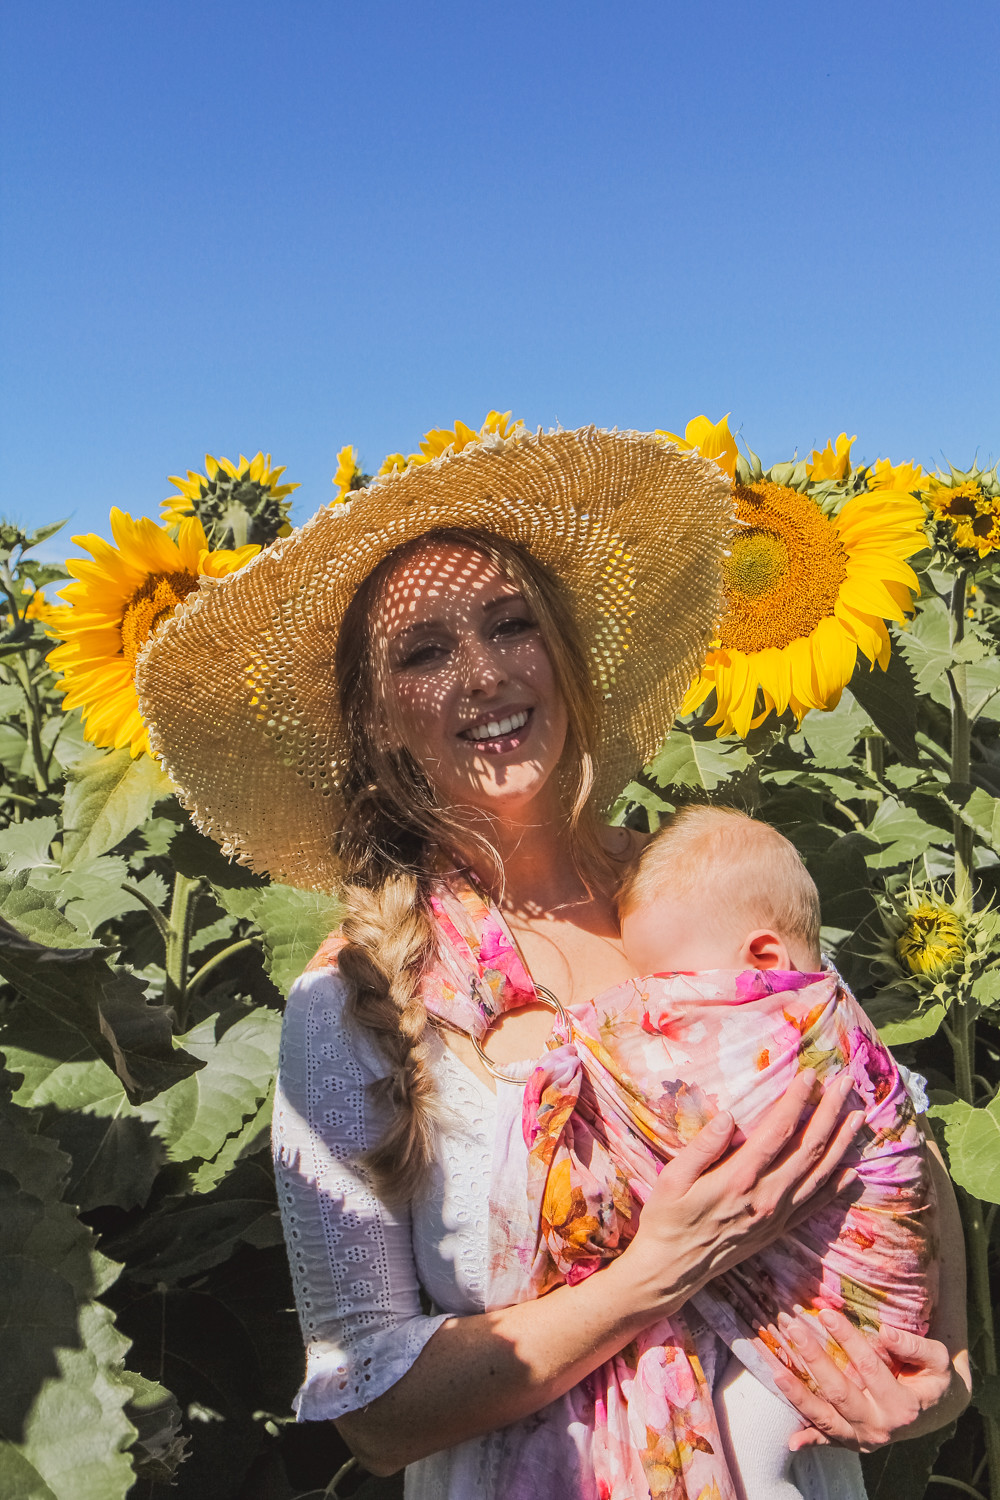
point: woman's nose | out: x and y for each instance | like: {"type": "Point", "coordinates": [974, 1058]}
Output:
{"type": "Point", "coordinates": [483, 669]}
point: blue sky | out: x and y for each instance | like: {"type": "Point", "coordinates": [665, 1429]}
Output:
{"type": "Point", "coordinates": [228, 226]}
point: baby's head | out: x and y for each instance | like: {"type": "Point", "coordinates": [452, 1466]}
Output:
{"type": "Point", "coordinates": [715, 889]}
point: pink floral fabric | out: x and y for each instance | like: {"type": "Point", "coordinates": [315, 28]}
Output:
{"type": "Point", "coordinates": [647, 1064]}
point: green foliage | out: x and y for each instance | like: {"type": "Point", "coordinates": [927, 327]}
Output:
{"type": "Point", "coordinates": [147, 1343]}
{"type": "Point", "coordinates": [973, 1137]}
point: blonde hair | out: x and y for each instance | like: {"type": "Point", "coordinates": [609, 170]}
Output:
{"type": "Point", "coordinates": [703, 847]}
{"type": "Point", "coordinates": [394, 827]}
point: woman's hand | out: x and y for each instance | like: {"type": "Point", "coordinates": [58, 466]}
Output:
{"type": "Point", "coordinates": [867, 1405]}
{"type": "Point", "coordinates": [705, 1214]}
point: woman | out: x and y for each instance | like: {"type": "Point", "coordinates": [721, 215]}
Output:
{"type": "Point", "coordinates": [497, 685]}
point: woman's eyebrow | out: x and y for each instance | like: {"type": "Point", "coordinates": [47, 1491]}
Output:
{"type": "Point", "coordinates": [416, 626]}
{"type": "Point", "coordinates": [514, 598]}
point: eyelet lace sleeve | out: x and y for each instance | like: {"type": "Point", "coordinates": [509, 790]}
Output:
{"type": "Point", "coordinates": [351, 1257]}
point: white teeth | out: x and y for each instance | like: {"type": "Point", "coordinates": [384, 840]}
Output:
{"type": "Point", "coordinates": [496, 728]}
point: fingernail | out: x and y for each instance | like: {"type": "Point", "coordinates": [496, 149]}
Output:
{"type": "Point", "coordinates": [849, 1176]}
{"type": "Point", "coordinates": [809, 1074]}
{"type": "Point", "coordinates": [857, 1119]}
{"type": "Point", "coordinates": [721, 1123]}
{"type": "Point", "coordinates": [844, 1085]}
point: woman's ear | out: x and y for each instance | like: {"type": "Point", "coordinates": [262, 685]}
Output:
{"type": "Point", "coordinates": [764, 950]}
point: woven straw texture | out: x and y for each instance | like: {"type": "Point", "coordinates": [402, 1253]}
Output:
{"type": "Point", "coordinates": [237, 686]}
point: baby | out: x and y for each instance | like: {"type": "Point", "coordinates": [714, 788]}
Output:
{"type": "Point", "coordinates": [721, 917]}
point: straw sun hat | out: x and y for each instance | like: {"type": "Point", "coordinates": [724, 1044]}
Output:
{"type": "Point", "coordinates": [237, 687]}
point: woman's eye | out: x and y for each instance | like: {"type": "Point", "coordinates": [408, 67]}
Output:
{"type": "Point", "coordinates": [514, 626]}
{"type": "Point", "coordinates": [423, 656]}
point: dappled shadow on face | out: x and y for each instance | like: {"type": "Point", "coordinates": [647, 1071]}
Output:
{"type": "Point", "coordinates": [466, 684]}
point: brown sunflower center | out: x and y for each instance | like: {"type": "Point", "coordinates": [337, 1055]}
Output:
{"type": "Point", "coordinates": [785, 570]}
{"type": "Point", "coordinates": [757, 565]}
{"type": "Point", "coordinates": [152, 602]}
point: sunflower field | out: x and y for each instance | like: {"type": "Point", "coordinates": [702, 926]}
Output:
{"type": "Point", "coordinates": [149, 1345]}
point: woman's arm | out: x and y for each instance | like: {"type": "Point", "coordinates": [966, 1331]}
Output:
{"type": "Point", "coordinates": [933, 1385]}
{"type": "Point", "coordinates": [485, 1371]}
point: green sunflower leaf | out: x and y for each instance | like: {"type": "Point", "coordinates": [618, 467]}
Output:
{"type": "Point", "coordinates": [106, 798]}
{"type": "Point", "coordinates": [26, 846]}
{"type": "Point", "coordinates": [973, 1140]}
{"type": "Point", "coordinates": [34, 911]}
{"type": "Point", "coordinates": [63, 1427]}
{"type": "Point", "coordinates": [978, 810]}
{"type": "Point", "coordinates": [901, 833]}
{"type": "Point", "coordinates": [684, 760]}
{"type": "Point", "coordinates": [196, 1117]}
{"type": "Point", "coordinates": [899, 1020]}
{"type": "Point", "coordinates": [107, 1007]}
{"type": "Point", "coordinates": [889, 699]}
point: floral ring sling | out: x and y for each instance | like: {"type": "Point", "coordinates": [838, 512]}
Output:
{"type": "Point", "coordinates": [637, 1072]}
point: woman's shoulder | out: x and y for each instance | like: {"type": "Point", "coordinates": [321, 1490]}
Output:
{"type": "Point", "coordinates": [327, 954]}
{"type": "Point", "coordinates": [319, 1027]}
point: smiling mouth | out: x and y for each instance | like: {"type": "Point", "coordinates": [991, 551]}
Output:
{"type": "Point", "coordinates": [501, 735]}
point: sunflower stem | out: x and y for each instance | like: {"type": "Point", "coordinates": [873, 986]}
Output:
{"type": "Point", "coordinates": [39, 759]}
{"type": "Point", "coordinates": [977, 1238]}
{"type": "Point", "coordinates": [177, 945]}
{"type": "Point", "coordinates": [875, 766]}
{"type": "Point", "coordinates": [236, 523]}
{"type": "Point", "coordinates": [213, 963]}
{"type": "Point", "coordinates": [960, 744]}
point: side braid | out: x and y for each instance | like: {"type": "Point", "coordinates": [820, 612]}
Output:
{"type": "Point", "coordinates": [389, 936]}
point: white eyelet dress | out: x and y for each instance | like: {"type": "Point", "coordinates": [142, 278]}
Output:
{"type": "Point", "coordinates": [372, 1285]}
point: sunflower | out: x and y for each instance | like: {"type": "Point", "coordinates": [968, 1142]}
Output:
{"type": "Point", "coordinates": [453, 439]}
{"type": "Point", "coordinates": [235, 503]}
{"type": "Point", "coordinates": [49, 616]}
{"type": "Point", "coordinates": [393, 463]}
{"type": "Point", "coordinates": [909, 478]}
{"type": "Point", "coordinates": [833, 461]}
{"type": "Point", "coordinates": [805, 592]}
{"type": "Point", "coordinates": [967, 509]}
{"type": "Point", "coordinates": [349, 475]}
{"type": "Point", "coordinates": [712, 439]}
{"type": "Point", "coordinates": [116, 603]}
{"type": "Point", "coordinates": [932, 938]}
{"type": "Point", "coordinates": [438, 441]}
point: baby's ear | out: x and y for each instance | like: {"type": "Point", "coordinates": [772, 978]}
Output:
{"type": "Point", "coordinates": [764, 950]}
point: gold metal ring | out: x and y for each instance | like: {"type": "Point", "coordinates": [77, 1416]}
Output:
{"type": "Point", "coordinates": [547, 998]}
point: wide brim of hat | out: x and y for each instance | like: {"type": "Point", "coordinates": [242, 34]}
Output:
{"type": "Point", "coordinates": [237, 687]}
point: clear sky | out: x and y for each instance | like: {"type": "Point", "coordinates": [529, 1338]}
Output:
{"type": "Point", "coordinates": [293, 224]}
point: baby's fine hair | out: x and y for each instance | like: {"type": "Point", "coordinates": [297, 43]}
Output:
{"type": "Point", "coordinates": [749, 871]}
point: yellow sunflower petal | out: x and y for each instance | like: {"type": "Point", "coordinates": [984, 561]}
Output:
{"type": "Point", "coordinates": [115, 603]}
{"type": "Point", "coordinates": [713, 439]}
{"type": "Point", "coordinates": [806, 592]}
{"type": "Point", "coordinates": [834, 461]}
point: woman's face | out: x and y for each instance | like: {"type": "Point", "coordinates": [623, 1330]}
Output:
{"type": "Point", "coordinates": [470, 688]}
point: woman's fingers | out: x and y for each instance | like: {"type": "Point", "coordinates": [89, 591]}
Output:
{"type": "Point", "coordinates": [769, 1139]}
{"type": "Point", "coordinates": [874, 1372]}
{"type": "Point", "coordinates": [788, 1161]}
{"type": "Point", "coordinates": [840, 1406]}
{"type": "Point", "coordinates": [926, 1355]}
{"type": "Point", "coordinates": [825, 1424]}
{"type": "Point", "coordinates": [706, 1147]}
{"type": "Point", "coordinates": [802, 1187]}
